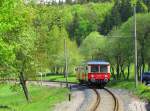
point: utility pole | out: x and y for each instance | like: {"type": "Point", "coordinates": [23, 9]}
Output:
{"type": "Point", "coordinates": [66, 62]}
{"type": "Point", "coordinates": [135, 47]}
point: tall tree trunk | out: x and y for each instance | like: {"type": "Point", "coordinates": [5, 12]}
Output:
{"type": "Point", "coordinates": [139, 71]}
{"type": "Point", "coordinates": [23, 82]}
{"type": "Point", "coordinates": [112, 72]}
{"type": "Point", "coordinates": [64, 69]}
{"type": "Point", "coordinates": [57, 70]}
{"type": "Point", "coordinates": [122, 72]}
{"type": "Point", "coordinates": [148, 66]}
{"type": "Point", "coordinates": [24, 87]}
{"type": "Point", "coordinates": [138, 68]}
{"type": "Point", "coordinates": [143, 50]}
{"type": "Point", "coordinates": [142, 57]}
{"type": "Point", "coordinates": [128, 71]}
{"type": "Point", "coordinates": [118, 71]}
{"type": "Point", "coordinates": [117, 68]}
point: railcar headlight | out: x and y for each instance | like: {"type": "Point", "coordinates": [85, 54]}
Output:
{"type": "Point", "coordinates": [92, 76]}
{"type": "Point", "coordinates": [106, 75]}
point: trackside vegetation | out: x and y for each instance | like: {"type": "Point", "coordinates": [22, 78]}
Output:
{"type": "Point", "coordinates": [141, 91]}
{"type": "Point", "coordinates": [43, 98]}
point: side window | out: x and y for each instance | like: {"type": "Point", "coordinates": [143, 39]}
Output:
{"type": "Point", "coordinates": [103, 68]}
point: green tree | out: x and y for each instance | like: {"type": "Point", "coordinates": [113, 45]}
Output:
{"type": "Point", "coordinates": [17, 31]}
{"type": "Point", "coordinates": [87, 18]}
{"type": "Point", "coordinates": [119, 54]}
{"type": "Point", "coordinates": [121, 11]}
{"type": "Point", "coordinates": [147, 3]}
{"type": "Point", "coordinates": [6, 58]}
{"type": "Point", "coordinates": [93, 47]}
{"type": "Point", "coordinates": [126, 30]}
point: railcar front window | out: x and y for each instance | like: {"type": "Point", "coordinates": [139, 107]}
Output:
{"type": "Point", "coordinates": [94, 69]}
{"type": "Point", "coordinates": [103, 68]}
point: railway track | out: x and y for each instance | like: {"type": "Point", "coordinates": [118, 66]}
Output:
{"type": "Point", "coordinates": [97, 105]}
{"type": "Point", "coordinates": [116, 102]}
{"type": "Point", "coordinates": [97, 100]}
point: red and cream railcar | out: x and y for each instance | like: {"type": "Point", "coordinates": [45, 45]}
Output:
{"type": "Point", "coordinates": [96, 72]}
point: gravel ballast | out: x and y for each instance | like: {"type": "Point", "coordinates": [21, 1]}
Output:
{"type": "Point", "coordinates": [82, 98]}
{"type": "Point", "coordinates": [131, 102]}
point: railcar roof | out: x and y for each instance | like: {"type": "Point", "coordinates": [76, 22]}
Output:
{"type": "Point", "coordinates": [98, 62]}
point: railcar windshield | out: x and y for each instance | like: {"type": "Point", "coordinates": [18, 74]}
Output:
{"type": "Point", "coordinates": [95, 68]}
{"type": "Point", "coordinates": [103, 68]}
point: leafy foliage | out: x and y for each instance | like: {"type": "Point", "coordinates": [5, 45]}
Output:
{"type": "Point", "coordinates": [86, 19]}
{"type": "Point", "coordinates": [121, 11]}
{"type": "Point", "coordinates": [94, 46]}
{"type": "Point", "coordinates": [32, 36]}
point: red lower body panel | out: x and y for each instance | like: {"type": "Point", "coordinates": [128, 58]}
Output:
{"type": "Point", "coordinates": [98, 76]}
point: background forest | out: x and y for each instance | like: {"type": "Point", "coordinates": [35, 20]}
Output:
{"type": "Point", "coordinates": [32, 36]}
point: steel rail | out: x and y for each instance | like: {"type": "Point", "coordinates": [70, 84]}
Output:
{"type": "Point", "coordinates": [116, 106]}
{"type": "Point", "coordinates": [94, 108]}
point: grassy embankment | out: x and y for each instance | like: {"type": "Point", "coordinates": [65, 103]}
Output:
{"type": "Point", "coordinates": [43, 98]}
{"type": "Point", "coordinates": [141, 91]}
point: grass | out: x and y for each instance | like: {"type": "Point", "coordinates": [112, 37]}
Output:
{"type": "Point", "coordinates": [43, 98]}
{"type": "Point", "coordinates": [141, 91]}
{"type": "Point", "coordinates": [59, 77]}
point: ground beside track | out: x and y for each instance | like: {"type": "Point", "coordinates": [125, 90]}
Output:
{"type": "Point", "coordinates": [130, 101]}
{"type": "Point", "coordinates": [42, 98]}
{"type": "Point", "coordinates": [82, 98]}
{"type": "Point", "coordinates": [135, 99]}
